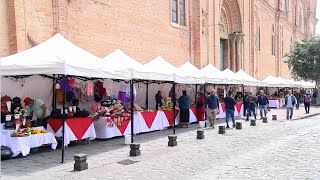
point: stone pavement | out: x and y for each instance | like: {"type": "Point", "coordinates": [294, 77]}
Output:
{"type": "Point", "coordinates": [276, 150]}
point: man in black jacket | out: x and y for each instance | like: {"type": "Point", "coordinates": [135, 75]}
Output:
{"type": "Point", "coordinates": [263, 103]}
{"type": "Point", "coordinates": [229, 104]}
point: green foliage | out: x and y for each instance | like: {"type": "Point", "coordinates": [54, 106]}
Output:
{"type": "Point", "coordinates": [304, 60]}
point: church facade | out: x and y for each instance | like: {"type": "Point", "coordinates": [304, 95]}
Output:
{"type": "Point", "coordinates": [253, 35]}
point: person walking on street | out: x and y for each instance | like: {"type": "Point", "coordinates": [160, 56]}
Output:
{"type": "Point", "coordinates": [230, 103]}
{"type": "Point", "coordinates": [297, 95]}
{"type": "Point", "coordinates": [290, 101]}
{"type": "Point", "coordinates": [263, 103]}
{"type": "Point", "coordinates": [245, 104]}
{"type": "Point", "coordinates": [252, 102]}
{"type": "Point", "coordinates": [213, 107]}
{"type": "Point", "coordinates": [307, 102]}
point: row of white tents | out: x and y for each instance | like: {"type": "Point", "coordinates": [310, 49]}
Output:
{"type": "Point", "coordinates": [57, 55]}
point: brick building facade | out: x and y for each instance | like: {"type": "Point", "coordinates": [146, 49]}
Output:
{"type": "Point", "coordinates": [253, 35]}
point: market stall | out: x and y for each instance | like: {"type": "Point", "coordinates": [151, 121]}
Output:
{"type": "Point", "coordinates": [54, 59]}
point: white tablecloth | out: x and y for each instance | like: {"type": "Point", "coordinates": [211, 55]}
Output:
{"type": "Point", "coordinates": [69, 135]}
{"type": "Point", "coordinates": [23, 144]}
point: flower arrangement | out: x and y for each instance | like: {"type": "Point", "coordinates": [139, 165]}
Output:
{"type": "Point", "coordinates": [19, 111]}
{"type": "Point", "coordinates": [97, 108]}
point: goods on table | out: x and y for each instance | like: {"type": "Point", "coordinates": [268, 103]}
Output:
{"type": "Point", "coordinates": [28, 132]}
{"type": "Point", "coordinates": [168, 104]}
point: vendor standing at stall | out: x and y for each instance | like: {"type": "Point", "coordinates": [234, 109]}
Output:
{"type": "Point", "coordinates": [38, 107]}
{"type": "Point", "coordinates": [201, 110]}
{"type": "Point", "coordinates": [158, 99]}
{"type": "Point", "coordinates": [184, 106]}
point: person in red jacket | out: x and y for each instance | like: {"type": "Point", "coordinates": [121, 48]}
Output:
{"type": "Point", "coordinates": [201, 101]}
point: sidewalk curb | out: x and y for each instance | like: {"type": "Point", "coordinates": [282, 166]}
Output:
{"type": "Point", "coordinates": [305, 117]}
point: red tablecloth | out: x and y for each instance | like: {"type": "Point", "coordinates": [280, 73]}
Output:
{"type": "Point", "coordinates": [169, 115]}
{"type": "Point", "coordinates": [78, 125]}
{"type": "Point", "coordinates": [149, 117]}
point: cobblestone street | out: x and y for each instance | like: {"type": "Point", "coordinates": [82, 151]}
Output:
{"type": "Point", "coordinates": [274, 150]}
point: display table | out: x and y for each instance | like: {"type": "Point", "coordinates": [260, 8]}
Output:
{"type": "Point", "coordinates": [23, 144]}
{"type": "Point", "coordinates": [276, 103]}
{"type": "Point", "coordinates": [76, 129]}
{"type": "Point", "coordinates": [143, 122]}
{"type": "Point", "coordinates": [222, 110]}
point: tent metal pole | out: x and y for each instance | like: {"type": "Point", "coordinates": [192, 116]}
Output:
{"type": "Point", "coordinates": [205, 104]}
{"type": "Point", "coordinates": [174, 107]}
{"type": "Point", "coordinates": [131, 108]}
{"type": "Point", "coordinates": [63, 119]}
{"type": "Point", "coordinates": [195, 94]}
{"type": "Point", "coordinates": [147, 95]}
{"type": "Point", "coordinates": [54, 105]}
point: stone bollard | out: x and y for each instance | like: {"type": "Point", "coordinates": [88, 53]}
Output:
{"type": "Point", "coordinates": [265, 120]}
{"type": "Point", "coordinates": [172, 140]}
{"type": "Point", "coordinates": [238, 125]}
{"type": "Point", "coordinates": [135, 149]}
{"type": "Point", "coordinates": [200, 134]}
{"type": "Point", "coordinates": [222, 129]}
{"type": "Point", "coordinates": [80, 162]}
{"type": "Point", "coordinates": [253, 122]}
{"type": "Point", "coordinates": [274, 117]}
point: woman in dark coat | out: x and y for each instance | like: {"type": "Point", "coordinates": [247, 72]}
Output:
{"type": "Point", "coordinates": [184, 106]}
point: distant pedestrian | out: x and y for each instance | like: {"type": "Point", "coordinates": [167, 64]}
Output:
{"type": "Point", "coordinates": [290, 101]}
{"type": "Point", "coordinates": [213, 107]}
{"type": "Point", "coordinates": [263, 103]}
{"type": "Point", "coordinates": [307, 102]}
{"type": "Point", "coordinates": [158, 98]}
{"type": "Point", "coordinates": [314, 97]}
{"type": "Point", "coordinates": [252, 103]}
{"type": "Point", "coordinates": [245, 104]}
{"type": "Point", "coordinates": [229, 104]}
{"type": "Point", "coordinates": [298, 96]}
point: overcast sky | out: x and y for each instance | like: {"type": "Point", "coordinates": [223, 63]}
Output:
{"type": "Point", "coordinates": [318, 16]}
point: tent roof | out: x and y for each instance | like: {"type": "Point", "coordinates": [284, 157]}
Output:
{"type": "Point", "coordinates": [121, 64]}
{"type": "Point", "coordinates": [158, 69]}
{"type": "Point", "coordinates": [248, 80]}
{"type": "Point", "coordinates": [213, 75]}
{"type": "Point", "coordinates": [189, 74]}
{"type": "Point", "coordinates": [56, 55]}
{"type": "Point", "coordinates": [232, 77]}
{"type": "Point", "coordinates": [272, 81]}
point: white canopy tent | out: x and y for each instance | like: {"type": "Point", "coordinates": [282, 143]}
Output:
{"type": "Point", "coordinates": [272, 81]}
{"type": "Point", "coordinates": [248, 80]}
{"type": "Point", "coordinates": [213, 75]}
{"type": "Point", "coordinates": [120, 64]}
{"type": "Point", "coordinates": [189, 74]}
{"type": "Point", "coordinates": [232, 77]}
{"type": "Point", "coordinates": [157, 69]}
{"type": "Point", "coordinates": [57, 55]}
{"type": "Point", "coordinates": [286, 82]}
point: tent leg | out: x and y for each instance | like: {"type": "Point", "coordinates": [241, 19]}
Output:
{"type": "Point", "coordinates": [147, 96]}
{"type": "Point", "coordinates": [205, 106]}
{"type": "Point", "coordinates": [131, 109]}
{"type": "Point", "coordinates": [174, 107]}
{"type": "Point", "coordinates": [63, 120]}
{"type": "Point", "coordinates": [195, 94]}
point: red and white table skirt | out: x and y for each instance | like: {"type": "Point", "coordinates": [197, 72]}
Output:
{"type": "Point", "coordinates": [276, 103]}
{"type": "Point", "coordinates": [143, 122]}
{"type": "Point", "coordinates": [76, 129]}
{"type": "Point", "coordinates": [238, 110]}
